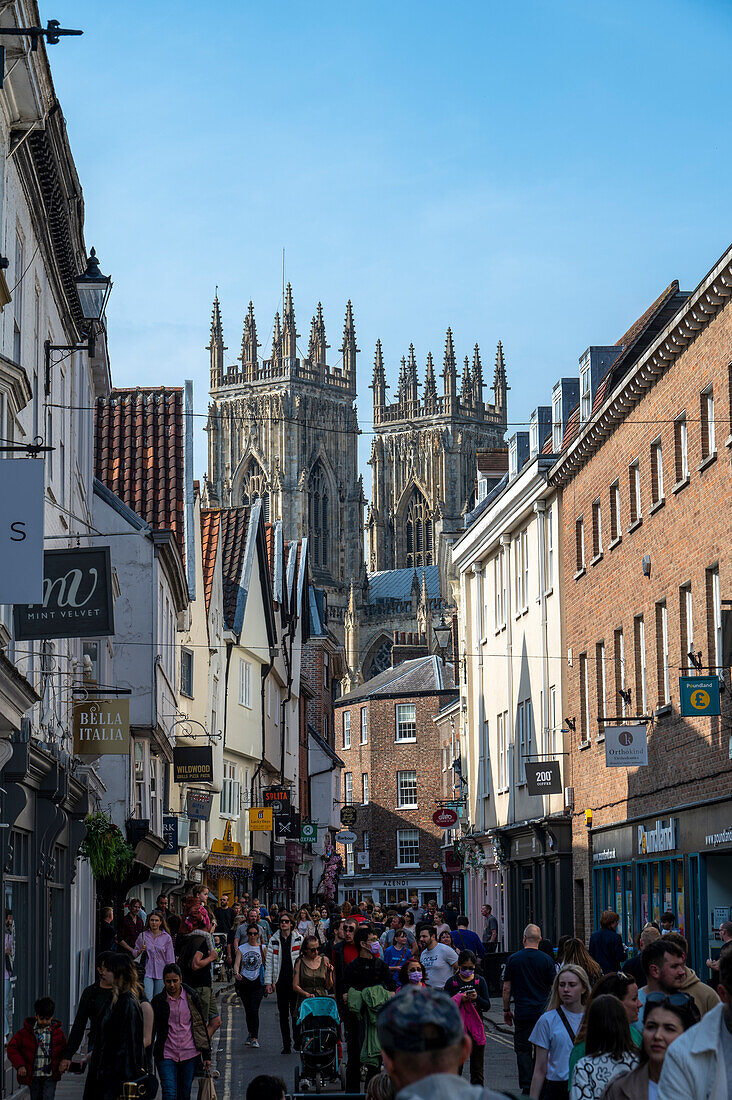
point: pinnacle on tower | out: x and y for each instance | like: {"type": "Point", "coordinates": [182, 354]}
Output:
{"type": "Point", "coordinates": [402, 390]}
{"type": "Point", "coordinates": [249, 345]}
{"type": "Point", "coordinates": [348, 348]}
{"type": "Point", "coordinates": [430, 386]}
{"type": "Point", "coordinates": [277, 339]}
{"type": "Point", "coordinates": [216, 345]}
{"type": "Point", "coordinates": [477, 377]}
{"type": "Point", "coordinates": [450, 371]}
{"type": "Point", "coordinates": [317, 345]}
{"type": "Point", "coordinates": [378, 385]}
{"type": "Point", "coordinates": [412, 381]}
{"type": "Point", "coordinates": [289, 333]}
{"type": "Point", "coordinates": [499, 378]}
{"type": "Point", "coordinates": [467, 385]}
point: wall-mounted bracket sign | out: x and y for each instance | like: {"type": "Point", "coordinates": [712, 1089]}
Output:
{"type": "Point", "coordinates": [543, 777]}
{"type": "Point", "coordinates": [21, 531]}
{"type": "Point", "coordinates": [101, 727]}
{"type": "Point", "coordinates": [77, 597]}
{"type": "Point", "coordinates": [699, 696]}
{"type": "Point", "coordinates": [193, 764]}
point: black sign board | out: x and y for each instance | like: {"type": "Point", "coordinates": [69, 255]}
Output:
{"type": "Point", "coordinates": [193, 764]}
{"type": "Point", "coordinates": [198, 805]}
{"type": "Point", "coordinates": [278, 798]}
{"type": "Point", "coordinates": [77, 597]}
{"type": "Point", "coordinates": [279, 853]}
{"type": "Point", "coordinates": [543, 777]}
{"type": "Point", "coordinates": [170, 835]}
{"type": "Point", "coordinates": [348, 816]}
{"type": "Point", "coordinates": [287, 826]}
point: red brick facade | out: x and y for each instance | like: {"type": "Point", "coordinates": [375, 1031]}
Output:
{"type": "Point", "coordinates": [686, 536]}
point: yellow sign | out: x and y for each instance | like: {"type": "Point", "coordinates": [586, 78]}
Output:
{"type": "Point", "coordinates": [101, 727]}
{"type": "Point", "coordinates": [219, 862]}
{"type": "Point", "coordinates": [699, 699]}
{"type": "Point", "coordinates": [226, 846]}
{"type": "Point", "coordinates": [260, 819]}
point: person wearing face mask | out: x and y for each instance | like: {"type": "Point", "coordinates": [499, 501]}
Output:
{"type": "Point", "coordinates": [412, 973]}
{"type": "Point", "coordinates": [470, 994]}
{"type": "Point", "coordinates": [367, 971]}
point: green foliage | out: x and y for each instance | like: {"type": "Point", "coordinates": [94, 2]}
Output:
{"type": "Point", "coordinates": [105, 849]}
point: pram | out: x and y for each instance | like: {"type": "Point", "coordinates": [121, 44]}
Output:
{"type": "Point", "coordinates": [320, 1062]}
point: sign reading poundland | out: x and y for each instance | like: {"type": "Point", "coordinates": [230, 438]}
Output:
{"type": "Point", "coordinates": [193, 764]}
{"type": "Point", "coordinates": [101, 727]}
{"type": "Point", "coordinates": [77, 597]}
{"type": "Point", "coordinates": [661, 838]}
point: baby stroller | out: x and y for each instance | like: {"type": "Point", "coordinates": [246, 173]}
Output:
{"type": "Point", "coordinates": [320, 1062]}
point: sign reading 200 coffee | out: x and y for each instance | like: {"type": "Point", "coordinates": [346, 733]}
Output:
{"type": "Point", "coordinates": [77, 597]}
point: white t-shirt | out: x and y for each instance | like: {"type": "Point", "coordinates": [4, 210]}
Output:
{"type": "Point", "coordinates": [251, 962]}
{"type": "Point", "coordinates": [551, 1034]}
{"type": "Point", "coordinates": [438, 962]}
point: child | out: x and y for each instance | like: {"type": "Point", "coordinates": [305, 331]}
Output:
{"type": "Point", "coordinates": [36, 1051]}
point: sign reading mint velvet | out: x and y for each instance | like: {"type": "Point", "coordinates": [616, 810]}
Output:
{"type": "Point", "coordinates": [626, 746]}
{"type": "Point", "coordinates": [661, 838]}
{"type": "Point", "coordinates": [77, 597]}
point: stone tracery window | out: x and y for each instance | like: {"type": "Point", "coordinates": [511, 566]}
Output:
{"type": "Point", "coordinates": [254, 487]}
{"type": "Point", "coordinates": [319, 517]}
{"type": "Point", "coordinates": [418, 528]}
{"type": "Point", "coordinates": [381, 659]}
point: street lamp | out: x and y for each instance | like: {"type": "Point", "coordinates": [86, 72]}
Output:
{"type": "Point", "coordinates": [442, 633]}
{"type": "Point", "coordinates": [93, 290]}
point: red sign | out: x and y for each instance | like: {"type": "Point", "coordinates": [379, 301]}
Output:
{"type": "Point", "coordinates": [445, 817]}
{"type": "Point", "coordinates": [453, 866]}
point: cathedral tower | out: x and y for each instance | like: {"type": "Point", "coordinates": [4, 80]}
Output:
{"type": "Point", "coordinates": [285, 429]}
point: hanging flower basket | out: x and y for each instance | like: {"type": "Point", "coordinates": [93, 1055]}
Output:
{"type": "Point", "coordinates": [105, 849]}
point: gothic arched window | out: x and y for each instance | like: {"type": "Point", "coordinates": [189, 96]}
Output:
{"type": "Point", "coordinates": [254, 487]}
{"type": "Point", "coordinates": [319, 517]}
{"type": "Point", "coordinates": [418, 528]}
{"type": "Point", "coordinates": [381, 659]}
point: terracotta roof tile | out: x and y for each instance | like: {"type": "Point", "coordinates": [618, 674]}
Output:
{"type": "Point", "coordinates": [234, 527]}
{"type": "Point", "coordinates": [139, 453]}
{"type": "Point", "coordinates": [269, 536]}
{"type": "Point", "coordinates": [210, 525]}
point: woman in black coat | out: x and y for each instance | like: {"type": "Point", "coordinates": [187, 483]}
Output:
{"type": "Point", "coordinates": [122, 1053]}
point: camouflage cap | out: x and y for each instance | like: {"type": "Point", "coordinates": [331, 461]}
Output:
{"type": "Point", "coordinates": [419, 1019]}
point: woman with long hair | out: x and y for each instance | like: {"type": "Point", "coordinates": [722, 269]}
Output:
{"type": "Point", "coordinates": [122, 1052]}
{"type": "Point", "coordinates": [398, 953]}
{"type": "Point", "coordinates": [576, 954]}
{"type": "Point", "coordinates": [664, 1021]}
{"type": "Point", "coordinates": [610, 1051]}
{"type": "Point", "coordinates": [249, 980]}
{"type": "Point", "coordinates": [554, 1033]}
{"type": "Point", "coordinates": [313, 975]}
{"type": "Point", "coordinates": [618, 985]}
{"type": "Point", "coordinates": [470, 994]}
{"type": "Point", "coordinates": [156, 945]}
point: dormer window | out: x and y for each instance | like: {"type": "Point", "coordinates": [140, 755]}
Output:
{"type": "Point", "coordinates": [586, 393]}
{"type": "Point", "coordinates": [513, 457]}
{"type": "Point", "coordinates": [557, 423]}
{"type": "Point", "coordinates": [535, 437]}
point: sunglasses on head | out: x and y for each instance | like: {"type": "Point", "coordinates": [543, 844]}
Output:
{"type": "Point", "coordinates": [669, 1000]}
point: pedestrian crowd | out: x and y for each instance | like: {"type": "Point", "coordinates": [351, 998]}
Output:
{"type": "Point", "coordinates": [407, 989]}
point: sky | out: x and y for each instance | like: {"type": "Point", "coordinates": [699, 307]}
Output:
{"type": "Point", "coordinates": [532, 173]}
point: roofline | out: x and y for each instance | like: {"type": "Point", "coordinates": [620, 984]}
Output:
{"type": "Point", "coordinates": [323, 744]}
{"type": "Point", "coordinates": [128, 514]}
{"type": "Point", "coordinates": [346, 700]}
{"type": "Point", "coordinates": [699, 309]}
{"type": "Point", "coordinates": [168, 550]}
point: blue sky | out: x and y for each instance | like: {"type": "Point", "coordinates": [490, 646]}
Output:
{"type": "Point", "coordinates": [533, 173]}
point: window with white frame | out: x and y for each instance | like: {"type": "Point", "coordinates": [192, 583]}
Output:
{"type": "Point", "coordinates": [714, 617]}
{"type": "Point", "coordinates": [553, 720]}
{"type": "Point", "coordinates": [140, 791]}
{"type": "Point", "coordinates": [407, 790]}
{"type": "Point", "coordinates": [231, 791]}
{"type": "Point", "coordinates": [186, 672]}
{"type": "Point", "coordinates": [596, 529]}
{"type": "Point", "coordinates": [245, 683]}
{"type": "Point", "coordinates": [522, 739]}
{"type": "Point", "coordinates": [326, 667]}
{"type": "Point", "coordinates": [681, 448]}
{"type": "Point", "coordinates": [585, 393]}
{"type": "Point", "coordinates": [634, 488]}
{"type": "Point", "coordinates": [365, 788]}
{"type": "Point", "coordinates": [157, 794]}
{"type": "Point", "coordinates": [346, 729]}
{"type": "Point", "coordinates": [687, 627]}
{"type": "Point", "coordinates": [364, 725]}
{"type": "Point", "coordinates": [366, 846]}
{"type": "Point", "coordinates": [557, 423]}
{"type": "Point", "coordinates": [584, 671]}
{"type": "Point", "coordinates": [197, 834]}
{"type": "Point", "coordinates": [406, 722]}
{"type": "Point", "coordinates": [601, 671]}
{"type": "Point", "coordinates": [619, 656]}
{"type": "Point", "coordinates": [499, 586]}
{"type": "Point", "coordinates": [616, 529]}
{"type": "Point", "coordinates": [579, 543]}
{"type": "Point", "coordinates": [502, 730]}
{"type": "Point", "coordinates": [656, 472]}
{"type": "Point", "coordinates": [408, 847]}
{"type": "Point", "coordinates": [18, 273]}
{"type": "Point", "coordinates": [639, 642]}
{"type": "Point", "coordinates": [348, 788]}
{"type": "Point", "coordinates": [662, 668]}
{"type": "Point", "coordinates": [708, 443]}
{"type": "Point", "coordinates": [350, 864]}
{"type": "Point", "coordinates": [522, 570]}
{"type": "Point", "coordinates": [549, 545]}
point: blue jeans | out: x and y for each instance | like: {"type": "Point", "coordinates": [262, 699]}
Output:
{"type": "Point", "coordinates": [176, 1078]}
{"type": "Point", "coordinates": [153, 986]}
{"type": "Point", "coordinates": [42, 1088]}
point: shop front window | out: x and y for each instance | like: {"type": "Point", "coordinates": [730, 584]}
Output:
{"type": "Point", "coordinates": [16, 935]}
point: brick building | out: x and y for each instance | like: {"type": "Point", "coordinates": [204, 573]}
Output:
{"type": "Point", "coordinates": [646, 482]}
{"type": "Point", "coordinates": [392, 754]}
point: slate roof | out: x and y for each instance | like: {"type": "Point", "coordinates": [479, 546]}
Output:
{"type": "Point", "coordinates": [422, 675]}
{"type": "Point", "coordinates": [139, 454]}
{"type": "Point", "coordinates": [234, 528]}
{"type": "Point", "coordinates": [209, 544]}
{"type": "Point", "coordinates": [396, 584]}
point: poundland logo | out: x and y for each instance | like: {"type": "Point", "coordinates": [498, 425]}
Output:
{"type": "Point", "coordinates": [661, 838]}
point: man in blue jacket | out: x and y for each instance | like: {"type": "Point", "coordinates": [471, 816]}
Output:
{"type": "Point", "coordinates": [465, 940]}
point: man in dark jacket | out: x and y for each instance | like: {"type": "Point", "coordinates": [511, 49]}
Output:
{"type": "Point", "coordinates": [367, 970]}
{"type": "Point", "coordinates": [177, 1048]}
{"type": "Point", "coordinates": [606, 946]}
{"type": "Point", "coordinates": [93, 1003]}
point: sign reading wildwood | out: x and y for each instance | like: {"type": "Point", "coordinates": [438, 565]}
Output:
{"type": "Point", "coordinates": [77, 597]}
{"type": "Point", "coordinates": [101, 727]}
{"type": "Point", "coordinates": [193, 764]}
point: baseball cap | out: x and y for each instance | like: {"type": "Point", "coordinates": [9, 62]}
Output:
{"type": "Point", "coordinates": [418, 1019]}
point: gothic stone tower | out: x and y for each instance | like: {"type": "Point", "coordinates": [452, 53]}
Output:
{"type": "Point", "coordinates": [423, 458]}
{"type": "Point", "coordinates": [285, 429]}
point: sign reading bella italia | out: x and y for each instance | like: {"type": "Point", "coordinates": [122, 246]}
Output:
{"type": "Point", "coordinates": [102, 727]}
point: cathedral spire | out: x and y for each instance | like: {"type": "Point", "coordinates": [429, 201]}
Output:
{"type": "Point", "coordinates": [378, 384]}
{"type": "Point", "coordinates": [412, 381]}
{"type": "Point", "coordinates": [216, 345]}
{"type": "Point", "coordinates": [477, 379]}
{"type": "Point", "coordinates": [499, 379]}
{"type": "Point", "coordinates": [466, 393]}
{"type": "Point", "coordinates": [424, 612]}
{"type": "Point", "coordinates": [289, 333]}
{"type": "Point", "coordinates": [430, 386]}
{"type": "Point", "coordinates": [249, 345]}
{"type": "Point", "coordinates": [317, 346]}
{"type": "Point", "coordinates": [277, 340]}
{"type": "Point", "coordinates": [348, 348]}
{"type": "Point", "coordinates": [450, 371]}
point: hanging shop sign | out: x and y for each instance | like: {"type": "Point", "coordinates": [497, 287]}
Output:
{"type": "Point", "coordinates": [170, 835]}
{"type": "Point", "coordinates": [193, 764]}
{"type": "Point", "coordinates": [287, 826]}
{"type": "Point", "coordinates": [21, 531]}
{"type": "Point", "coordinates": [626, 746]}
{"type": "Point", "coordinates": [278, 798]}
{"type": "Point", "coordinates": [198, 805]}
{"type": "Point", "coordinates": [445, 817]}
{"type": "Point", "coordinates": [362, 859]}
{"type": "Point", "coordinates": [279, 858]}
{"type": "Point", "coordinates": [221, 863]}
{"type": "Point", "coordinates": [260, 819]}
{"type": "Point", "coordinates": [101, 727]}
{"type": "Point", "coordinates": [308, 832]}
{"type": "Point", "coordinates": [77, 597]}
{"type": "Point", "coordinates": [348, 816]}
{"type": "Point", "coordinates": [346, 837]}
{"type": "Point", "coordinates": [699, 695]}
{"type": "Point", "coordinates": [543, 777]}
{"type": "Point", "coordinates": [293, 852]}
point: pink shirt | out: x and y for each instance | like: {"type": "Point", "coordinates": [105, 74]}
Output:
{"type": "Point", "coordinates": [179, 1046]}
{"type": "Point", "coordinates": [159, 952]}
